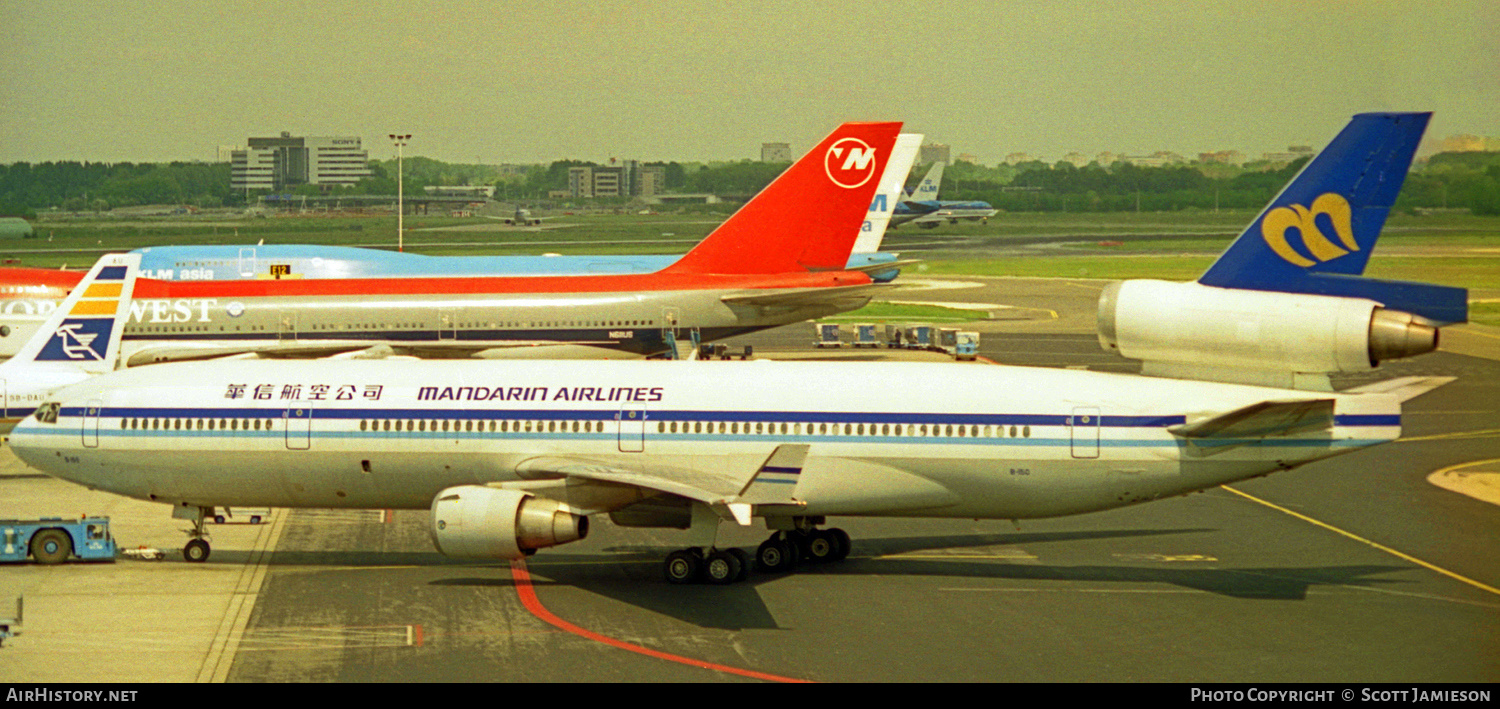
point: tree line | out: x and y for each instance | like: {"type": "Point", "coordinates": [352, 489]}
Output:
{"type": "Point", "coordinates": [1448, 180]}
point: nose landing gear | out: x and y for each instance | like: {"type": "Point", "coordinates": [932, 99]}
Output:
{"type": "Point", "coordinates": [197, 548]}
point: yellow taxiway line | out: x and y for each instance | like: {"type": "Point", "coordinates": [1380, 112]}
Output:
{"type": "Point", "coordinates": [1362, 540]}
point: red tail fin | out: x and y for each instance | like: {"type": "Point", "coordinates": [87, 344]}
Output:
{"type": "Point", "coordinates": [808, 218]}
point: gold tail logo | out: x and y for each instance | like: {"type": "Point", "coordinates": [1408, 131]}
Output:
{"type": "Point", "coordinates": [1279, 220]}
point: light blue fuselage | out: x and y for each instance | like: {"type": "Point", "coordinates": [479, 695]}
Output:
{"type": "Point", "coordinates": [270, 261]}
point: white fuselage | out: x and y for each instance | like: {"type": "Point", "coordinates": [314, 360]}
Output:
{"type": "Point", "coordinates": [917, 439]}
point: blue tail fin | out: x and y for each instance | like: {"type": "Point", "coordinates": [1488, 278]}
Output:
{"type": "Point", "coordinates": [85, 329]}
{"type": "Point", "coordinates": [1317, 235]}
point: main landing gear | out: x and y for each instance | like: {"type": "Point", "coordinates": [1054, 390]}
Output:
{"type": "Point", "coordinates": [785, 550]}
{"type": "Point", "coordinates": [781, 553]}
{"type": "Point", "coordinates": [715, 566]}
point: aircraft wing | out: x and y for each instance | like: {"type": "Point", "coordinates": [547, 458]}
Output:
{"type": "Point", "coordinates": [773, 483]}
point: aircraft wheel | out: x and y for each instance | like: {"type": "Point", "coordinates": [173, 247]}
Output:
{"type": "Point", "coordinates": [722, 568]}
{"type": "Point", "coordinates": [196, 551]}
{"type": "Point", "coordinates": [819, 546]}
{"type": "Point", "coordinates": [51, 546]}
{"type": "Point", "coordinates": [744, 559]}
{"type": "Point", "coordinates": [841, 544]}
{"type": "Point", "coordinates": [683, 566]}
{"type": "Point", "coordinates": [776, 556]}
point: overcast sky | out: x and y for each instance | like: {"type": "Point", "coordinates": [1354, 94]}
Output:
{"type": "Point", "coordinates": [539, 81]}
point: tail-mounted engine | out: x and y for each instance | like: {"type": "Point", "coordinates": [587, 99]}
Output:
{"type": "Point", "coordinates": [478, 522]}
{"type": "Point", "coordinates": [1292, 340]}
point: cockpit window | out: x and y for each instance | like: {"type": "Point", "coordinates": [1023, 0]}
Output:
{"type": "Point", "coordinates": [47, 413]}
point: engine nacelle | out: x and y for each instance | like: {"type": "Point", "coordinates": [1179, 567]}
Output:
{"type": "Point", "coordinates": [472, 521]}
{"type": "Point", "coordinates": [1258, 337]}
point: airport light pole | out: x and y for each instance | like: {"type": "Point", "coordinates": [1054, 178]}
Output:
{"type": "Point", "coordinates": [400, 142]}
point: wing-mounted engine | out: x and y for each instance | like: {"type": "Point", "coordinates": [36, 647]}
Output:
{"type": "Point", "coordinates": [1287, 340]}
{"type": "Point", "coordinates": [472, 521]}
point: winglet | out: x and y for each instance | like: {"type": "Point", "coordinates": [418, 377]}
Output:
{"type": "Point", "coordinates": [829, 191]}
{"type": "Point", "coordinates": [85, 329]}
{"type": "Point", "coordinates": [775, 483]}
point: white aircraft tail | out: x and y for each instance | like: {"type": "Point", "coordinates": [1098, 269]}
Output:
{"type": "Point", "coordinates": [889, 193]}
{"type": "Point", "coordinates": [85, 329]}
{"type": "Point", "coordinates": [927, 189]}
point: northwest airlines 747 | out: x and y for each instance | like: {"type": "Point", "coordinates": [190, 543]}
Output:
{"type": "Point", "coordinates": [759, 269]}
{"type": "Point", "coordinates": [516, 456]}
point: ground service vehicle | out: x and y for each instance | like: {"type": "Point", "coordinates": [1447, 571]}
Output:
{"type": "Point", "coordinates": [53, 540]}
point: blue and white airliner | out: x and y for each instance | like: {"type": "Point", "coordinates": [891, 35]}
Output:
{"type": "Point", "coordinates": [924, 209]}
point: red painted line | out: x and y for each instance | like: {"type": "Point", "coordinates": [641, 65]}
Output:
{"type": "Point", "coordinates": [417, 635]}
{"type": "Point", "coordinates": [527, 593]}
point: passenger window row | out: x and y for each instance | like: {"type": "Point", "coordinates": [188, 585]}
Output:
{"type": "Point", "coordinates": [731, 428]}
{"type": "Point", "coordinates": [903, 430]}
{"type": "Point", "coordinates": [195, 424]}
{"type": "Point", "coordinates": [508, 426]}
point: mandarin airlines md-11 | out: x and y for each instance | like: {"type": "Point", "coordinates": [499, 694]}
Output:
{"type": "Point", "coordinates": [759, 269]}
{"type": "Point", "coordinates": [515, 456]}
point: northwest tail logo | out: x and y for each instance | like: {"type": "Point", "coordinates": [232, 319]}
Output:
{"type": "Point", "coordinates": [1278, 222]}
{"type": "Point", "coordinates": [850, 163]}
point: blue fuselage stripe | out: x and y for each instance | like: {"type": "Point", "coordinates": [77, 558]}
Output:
{"type": "Point", "coordinates": [666, 416]}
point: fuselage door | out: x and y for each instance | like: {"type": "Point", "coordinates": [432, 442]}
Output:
{"type": "Point", "coordinates": [298, 417]}
{"type": "Point", "coordinates": [632, 420]}
{"type": "Point", "coordinates": [247, 263]}
{"type": "Point", "coordinates": [447, 324]}
{"type": "Point", "coordinates": [286, 326]}
{"type": "Point", "coordinates": [4, 400]}
{"type": "Point", "coordinates": [670, 317]}
{"type": "Point", "coordinates": [1085, 427]}
{"type": "Point", "coordinates": [91, 423]}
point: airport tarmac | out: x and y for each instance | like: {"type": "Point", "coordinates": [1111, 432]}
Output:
{"type": "Point", "coordinates": [1352, 569]}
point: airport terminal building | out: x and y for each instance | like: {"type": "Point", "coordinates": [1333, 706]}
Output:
{"type": "Point", "coordinates": [288, 161]}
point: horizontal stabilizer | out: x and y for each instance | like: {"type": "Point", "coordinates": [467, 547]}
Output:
{"type": "Point", "coordinates": [1403, 388]}
{"type": "Point", "coordinates": [1440, 305]}
{"type": "Point", "coordinates": [803, 296]}
{"type": "Point", "coordinates": [1263, 420]}
{"type": "Point", "coordinates": [873, 268]}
